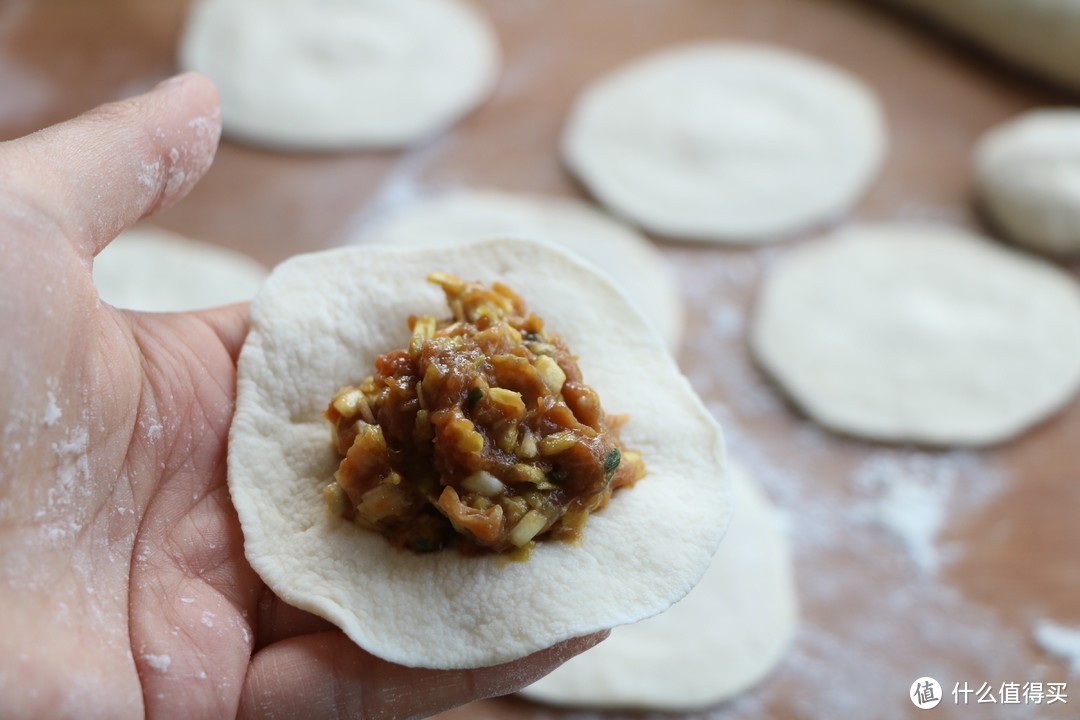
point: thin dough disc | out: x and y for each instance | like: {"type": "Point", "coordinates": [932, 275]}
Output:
{"type": "Point", "coordinates": [920, 333]}
{"type": "Point", "coordinates": [319, 322]}
{"type": "Point", "coordinates": [727, 634]}
{"type": "Point", "coordinates": [157, 271]}
{"type": "Point", "coordinates": [327, 74]}
{"type": "Point", "coordinates": [726, 142]}
{"type": "Point", "coordinates": [625, 257]}
{"type": "Point", "coordinates": [1029, 176]}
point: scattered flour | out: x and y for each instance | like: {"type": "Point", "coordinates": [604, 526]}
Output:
{"type": "Point", "coordinates": [72, 466]}
{"type": "Point", "coordinates": [208, 618]}
{"type": "Point", "coordinates": [152, 429]}
{"type": "Point", "coordinates": [910, 492]}
{"type": "Point", "coordinates": [61, 517]}
{"type": "Point", "coordinates": [914, 514]}
{"type": "Point", "coordinates": [150, 174]}
{"type": "Point", "coordinates": [158, 662]}
{"type": "Point", "coordinates": [176, 177]}
{"type": "Point", "coordinates": [52, 410]}
{"type": "Point", "coordinates": [1060, 642]}
{"type": "Point", "coordinates": [909, 500]}
{"type": "Point", "coordinates": [896, 624]}
{"type": "Point", "coordinates": [204, 127]}
{"type": "Point", "coordinates": [869, 528]}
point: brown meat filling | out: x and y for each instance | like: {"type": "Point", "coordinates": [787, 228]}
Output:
{"type": "Point", "coordinates": [481, 434]}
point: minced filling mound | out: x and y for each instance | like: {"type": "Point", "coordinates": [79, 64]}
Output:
{"type": "Point", "coordinates": [481, 435]}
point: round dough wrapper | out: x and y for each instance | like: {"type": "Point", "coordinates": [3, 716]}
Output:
{"type": "Point", "coordinates": [920, 333]}
{"type": "Point", "coordinates": [1028, 172]}
{"type": "Point", "coordinates": [329, 74]}
{"type": "Point", "coordinates": [725, 636]}
{"type": "Point", "coordinates": [157, 271]}
{"type": "Point", "coordinates": [726, 142]}
{"type": "Point", "coordinates": [319, 322]}
{"type": "Point", "coordinates": [624, 256]}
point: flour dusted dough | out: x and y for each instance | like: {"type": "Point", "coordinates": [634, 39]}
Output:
{"type": "Point", "coordinates": [324, 74]}
{"type": "Point", "coordinates": [920, 333]}
{"type": "Point", "coordinates": [1029, 178]}
{"type": "Point", "coordinates": [158, 271]}
{"type": "Point", "coordinates": [726, 142]}
{"type": "Point", "coordinates": [1041, 35]}
{"type": "Point", "coordinates": [621, 254]}
{"type": "Point", "coordinates": [726, 635]}
{"type": "Point", "coordinates": [319, 322]}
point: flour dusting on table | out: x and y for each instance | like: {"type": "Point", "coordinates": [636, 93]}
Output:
{"type": "Point", "coordinates": [1060, 642]}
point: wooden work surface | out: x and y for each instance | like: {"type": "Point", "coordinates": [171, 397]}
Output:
{"type": "Point", "coordinates": [872, 619]}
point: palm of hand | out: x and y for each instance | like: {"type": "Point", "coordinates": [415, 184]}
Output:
{"type": "Point", "coordinates": [192, 598]}
{"type": "Point", "coordinates": [123, 556]}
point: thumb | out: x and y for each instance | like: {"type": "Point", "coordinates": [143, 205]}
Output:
{"type": "Point", "coordinates": [98, 174]}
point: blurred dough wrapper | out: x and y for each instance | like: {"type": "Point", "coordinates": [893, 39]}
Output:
{"type": "Point", "coordinates": [721, 639]}
{"type": "Point", "coordinates": [338, 74]}
{"type": "Point", "coordinates": [157, 271]}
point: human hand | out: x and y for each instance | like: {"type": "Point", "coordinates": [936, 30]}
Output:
{"type": "Point", "coordinates": [125, 588]}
